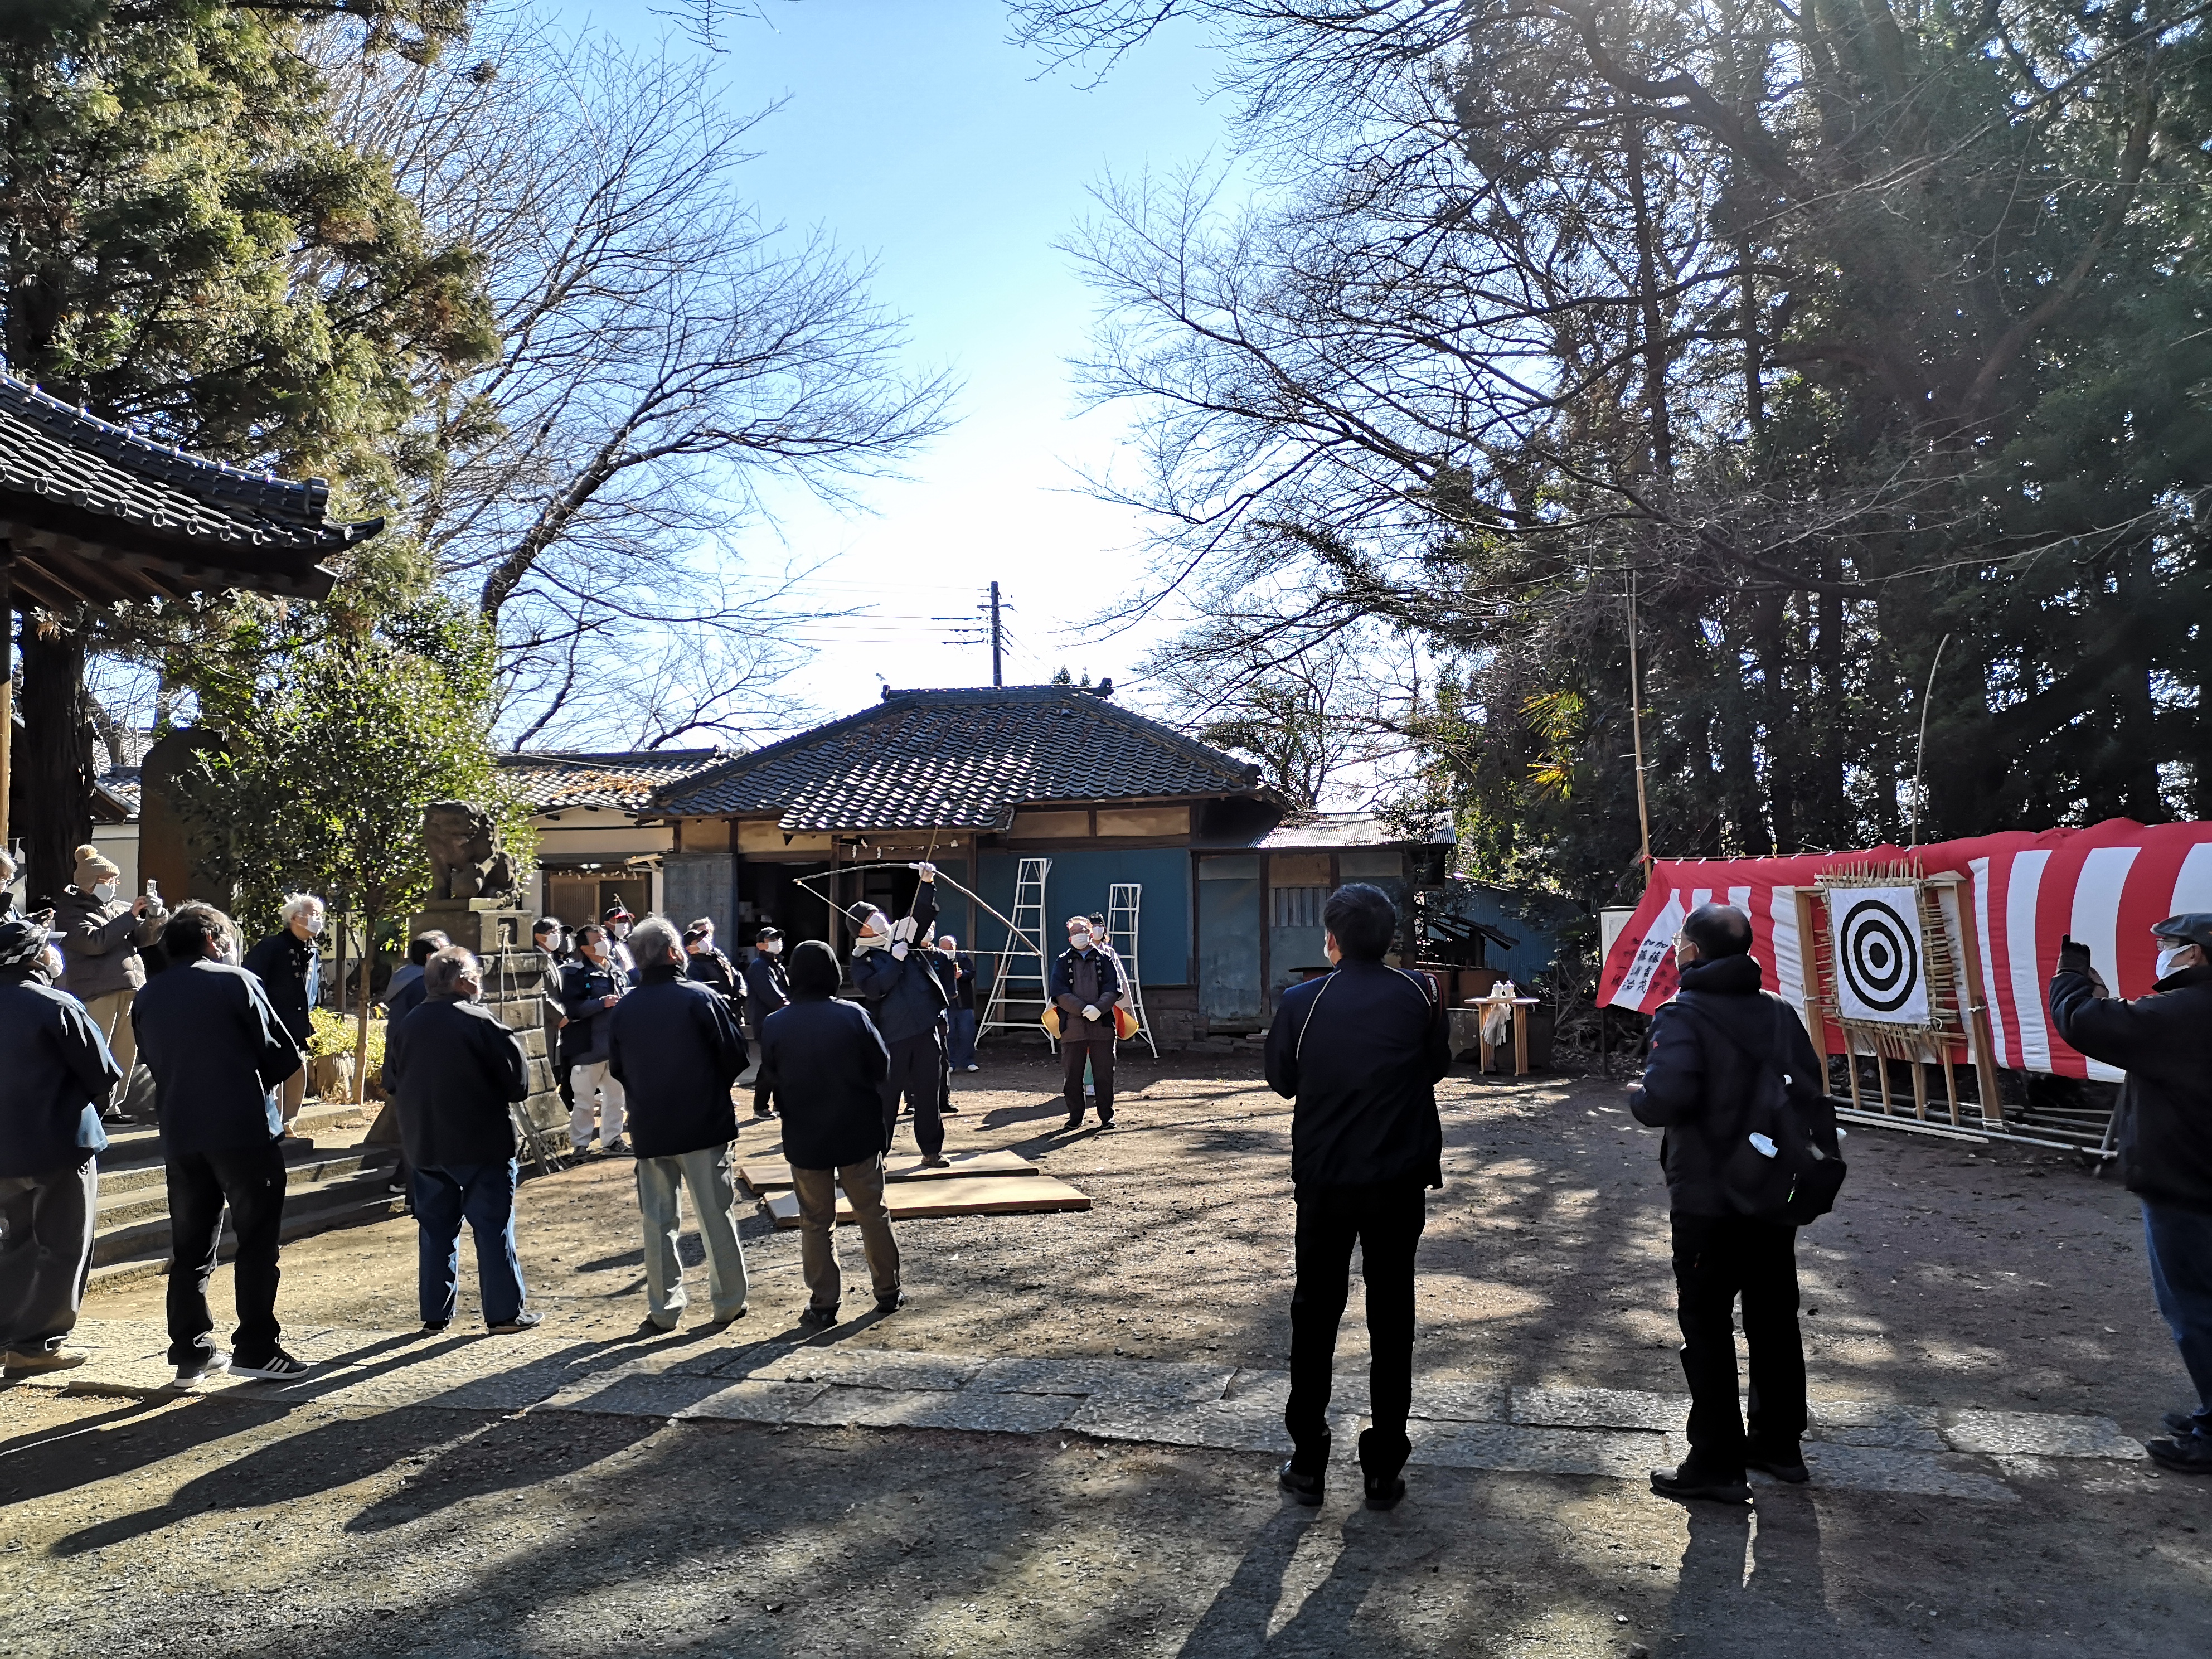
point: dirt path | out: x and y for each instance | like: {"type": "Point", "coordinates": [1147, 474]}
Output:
{"type": "Point", "coordinates": [1996, 1281]}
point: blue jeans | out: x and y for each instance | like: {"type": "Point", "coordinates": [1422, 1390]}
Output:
{"type": "Point", "coordinates": [483, 1194]}
{"type": "Point", "coordinates": [2180, 1245]}
{"type": "Point", "coordinates": [964, 1039]}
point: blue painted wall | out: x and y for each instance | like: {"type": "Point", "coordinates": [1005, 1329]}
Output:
{"type": "Point", "coordinates": [1535, 918]}
{"type": "Point", "coordinates": [1078, 882]}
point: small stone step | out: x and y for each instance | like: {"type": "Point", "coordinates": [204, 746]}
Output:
{"type": "Point", "coordinates": [309, 1207]}
{"type": "Point", "coordinates": [136, 1199]}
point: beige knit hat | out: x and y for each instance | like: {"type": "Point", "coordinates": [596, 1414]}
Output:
{"type": "Point", "coordinates": [94, 867]}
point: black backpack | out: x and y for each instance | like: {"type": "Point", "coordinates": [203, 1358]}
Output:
{"type": "Point", "coordinates": [1797, 1180]}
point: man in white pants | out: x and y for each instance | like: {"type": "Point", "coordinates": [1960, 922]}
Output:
{"type": "Point", "coordinates": [591, 986]}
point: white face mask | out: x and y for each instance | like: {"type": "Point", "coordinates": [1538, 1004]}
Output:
{"type": "Point", "coordinates": [620, 929]}
{"type": "Point", "coordinates": [311, 925]}
{"type": "Point", "coordinates": [771, 947]}
{"type": "Point", "coordinates": [230, 956]}
{"type": "Point", "coordinates": [1080, 939]}
{"type": "Point", "coordinates": [949, 949]}
{"type": "Point", "coordinates": [104, 890]}
{"type": "Point", "coordinates": [2168, 960]}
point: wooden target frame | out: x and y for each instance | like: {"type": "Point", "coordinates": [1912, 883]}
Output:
{"type": "Point", "coordinates": [1957, 1029]}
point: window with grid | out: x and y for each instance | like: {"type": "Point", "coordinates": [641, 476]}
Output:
{"type": "Point", "coordinates": [1299, 907]}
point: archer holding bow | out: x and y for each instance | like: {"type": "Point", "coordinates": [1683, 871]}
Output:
{"type": "Point", "coordinates": [905, 997]}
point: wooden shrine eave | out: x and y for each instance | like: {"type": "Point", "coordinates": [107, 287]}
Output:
{"type": "Point", "coordinates": [63, 555]}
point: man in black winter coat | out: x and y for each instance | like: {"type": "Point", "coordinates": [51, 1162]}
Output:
{"type": "Point", "coordinates": [676, 1050]}
{"type": "Point", "coordinates": [591, 987]}
{"type": "Point", "coordinates": [705, 964]}
{"type": "Point", "coordinates": [218, 1052]}
{"type": "Point", "coordinates": [1360, 1050]}
{"type": "Point", "coordinates": [1084, 985]}
{"type": "Point", "coordinates": [290, 967]}
{"type": "Point", "coordinates": [768, 987]}
{"type": "Point", "coordinates": [825, 1062]}
{"type": "Point", "coordinates": [892, 970]}
{"type": "Point", "coordinates": [2164, 1134]}
{"type": "Point", "coordinates": [56, 1070]}
{"type": "Point", "coordinates": [453, 1070]}
{"type": "Point", "coordinates": [1705, 1064]}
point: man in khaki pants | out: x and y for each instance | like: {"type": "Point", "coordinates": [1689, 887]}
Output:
{"type": "Point", "coordinates": [825, 1062]}
{"type": "Point", "coordinates": [101, 933]}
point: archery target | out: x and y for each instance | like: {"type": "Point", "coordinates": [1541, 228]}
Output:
{"type": "Point", "coordinates": [1880, 968]}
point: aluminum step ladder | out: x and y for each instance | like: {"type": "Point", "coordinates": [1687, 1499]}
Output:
{"type": "Point", "coordinates": [1012, 1006]}
{"type": "Point", "coordinates": [1123, 905]}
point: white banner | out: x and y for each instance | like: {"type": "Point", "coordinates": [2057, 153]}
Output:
{"type": "Point", "coordinates": [1882, 970]}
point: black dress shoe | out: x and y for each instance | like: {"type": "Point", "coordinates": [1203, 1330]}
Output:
{"type": "Point", "coordinates": [1306, 1488]}
{"type": "Point", "coordinates": [1788, 1467]}
{"type": "Point", "coordinates": [891, 1303]}
{"type": "Point", "coordinates": [2189, 1453]}
{"type": "Point", "coordinates": [1384, 1492]}
{"type": "Point", "coordinates": [2180, 1422]}
{"type": "Point", "coordinates": [1685, 1483]}
{"type": "Point", "coordinates": [1075, 1122]}
{"type": "Point", "coordinates": [818, 1319]}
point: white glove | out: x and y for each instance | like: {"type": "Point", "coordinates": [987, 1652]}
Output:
{"type": "Point", "coordinates": [903, 930]}
{"type": "Point", "coordinates": [928, 872]}
{"type": "Point", "coordinates": [898, 950]}
{"type": "Point", "coordinates": [1091, 1012]}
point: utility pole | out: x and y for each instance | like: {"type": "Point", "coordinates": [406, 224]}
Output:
{"type": "Point", "coordinates": [998, 641]}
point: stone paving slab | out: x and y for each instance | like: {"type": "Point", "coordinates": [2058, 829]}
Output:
{"type": "Point", "coordinates": [1873, 1469]}
{"type": "Point", "coordinates": [1517, 1448]}
{"type": "Point", "coordinates": [1601, 1409]}
{"type": "Point", "coordinates": [2039, 1434]}
{"type": "Point", "coordinates": [1867, 1445]}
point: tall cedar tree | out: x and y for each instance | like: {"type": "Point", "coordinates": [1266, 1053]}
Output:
{"type": "Point", "coordinates": [184, 248]}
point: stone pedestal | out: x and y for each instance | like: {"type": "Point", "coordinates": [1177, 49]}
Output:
{"type": "Point", "coordinates": [482, 926]}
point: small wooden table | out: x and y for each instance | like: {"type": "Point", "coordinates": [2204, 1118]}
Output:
{"type": "Point", "coordinates": [1520, 1029]}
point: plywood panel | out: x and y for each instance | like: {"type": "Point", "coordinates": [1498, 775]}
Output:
{"type": "Point", "coordinates": [1040, 825]}
{"type": "Point", "coordinates": [766, 1173]}
{"type": "Point", "coordinates": [1144, 821]}
{"type": "Point", "coordinates": [914, 1201]}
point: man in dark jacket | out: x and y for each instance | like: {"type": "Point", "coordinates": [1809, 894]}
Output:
{"type": "Point", "coordinates": [957, 968]}
{"type": "Point", "coordinates": [706, 965]}
{"type": "Point", "coordinates": [1708, 1048]}
{"type": "Point", "coordinates": [290, 967]}
{"type": "Point", "coordinates": [676, 1050]}
{"type": "Point", "coordinates": [1360, 1051]}
{"type": "Point", "coordinates": [56, 1069]}
{"type": "Point", "coordinates": [768, 987]}
{"type": "Point", "coordinates": [906, 999]}
{"type": "Point", "coordinates": [1086, 983]}
{"type": "Point", "coordinates": [591, 986]}
{"type": "Point", "coordinates": [218, 1052]}
{"type": "Point", "coordinates": [825, 1062]}
{"type": "Point", "coordinates": [454, 1071]}
{"type": "Point", "coordinates": [2164, 1134]}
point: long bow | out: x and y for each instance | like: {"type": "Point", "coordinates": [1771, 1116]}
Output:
{"type": "Point", "coordinates": [907, 863]}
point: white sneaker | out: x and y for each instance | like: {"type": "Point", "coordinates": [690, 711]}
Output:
{"type": "Point", "coordinates": [971, 1068]}
{"type": "Point", "coordinates": [190, 1377]}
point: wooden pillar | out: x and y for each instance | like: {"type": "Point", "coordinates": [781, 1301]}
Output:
{"type": "Point", "coordinates": [1975, 1015]}
{"type": "Point", "coordinates": [7, 690]}
{"type": "Point", "coordinates": [836, 911]}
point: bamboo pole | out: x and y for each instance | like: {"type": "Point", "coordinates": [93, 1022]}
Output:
{"type": "Point", "coordinates": [1636, 727]}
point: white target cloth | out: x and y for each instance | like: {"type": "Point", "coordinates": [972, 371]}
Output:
{"type": "Point", "coordinates": [2021, 894]}
{"type": "Point", "coordinates": [1881, 971]}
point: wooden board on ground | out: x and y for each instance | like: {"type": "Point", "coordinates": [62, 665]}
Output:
{"type": "Point", "coordinates": [768, 1174]}
{"type": "Point", "coordinates": [971, 1195]}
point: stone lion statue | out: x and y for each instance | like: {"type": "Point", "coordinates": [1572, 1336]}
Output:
{"type": "Point", "coordinates": [466, 861]}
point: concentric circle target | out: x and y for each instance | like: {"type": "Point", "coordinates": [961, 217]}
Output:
{"type": "Point", "coordinates": [1880, 955]}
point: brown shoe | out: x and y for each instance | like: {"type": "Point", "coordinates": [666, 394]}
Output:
{"type": "Point", "coordinates": [29, 1364]}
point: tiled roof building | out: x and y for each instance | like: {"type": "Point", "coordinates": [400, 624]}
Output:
{"type": "Point", "coordinates": [555, 779]}
{"type": "Point", "coordinates": [960, 760]}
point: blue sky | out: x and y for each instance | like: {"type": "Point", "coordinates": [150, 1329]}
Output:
{"type": "Point", "coordinates": [914, 132]}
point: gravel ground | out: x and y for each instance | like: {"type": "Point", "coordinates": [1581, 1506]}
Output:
{"type": "Point", "coordinates": [1952, 1276]}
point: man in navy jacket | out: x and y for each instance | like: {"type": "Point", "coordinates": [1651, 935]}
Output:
{"type": "Point", "coordinates": [218, 1051]}
{"type": "Point", "coordinates": [55, 1070]}
{"type": "Point", "coordinates": [768, 987]}
{"type": "Point", "coordinates": [454, 1071]}
{"type": "Point", "coordinates": [591, 986]}
{"type": "Point", "coordinates": [2163, 1128]}
{"type": "Point", "coordinates": [1360, 1050]}
{"type": "Point", "coordinates": [825, 1062]}
{"type": "Point", "coordinates": [676, 1051]}
{"type": "Point", "coordinates": [892, 970]}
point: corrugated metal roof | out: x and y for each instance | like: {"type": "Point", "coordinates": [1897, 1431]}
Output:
{"type": "Point", "coordinates": [961, 759]}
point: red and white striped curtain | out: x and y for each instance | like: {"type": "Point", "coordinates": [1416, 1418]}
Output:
{"type": "Point", "coordinates": [2104, 885]}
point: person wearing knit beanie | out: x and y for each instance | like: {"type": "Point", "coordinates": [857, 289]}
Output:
{"type": "Point", "coordinates": [102, 933]}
